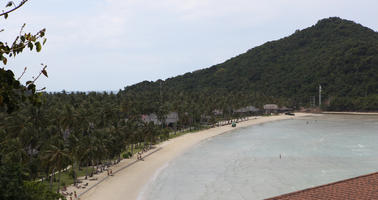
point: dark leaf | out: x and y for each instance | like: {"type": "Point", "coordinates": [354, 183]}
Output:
{"type": "Point", "coordinates": [9, 4]}
{"type": "Point", "coordinates": [44, 72]}
{"type": "Point", "coordinates": [30, 45]}
{"type": "Point", "coordinates": [38, 46]}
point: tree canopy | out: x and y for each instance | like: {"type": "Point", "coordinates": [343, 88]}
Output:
{"type": "Point", "coordinates": [338, 54]}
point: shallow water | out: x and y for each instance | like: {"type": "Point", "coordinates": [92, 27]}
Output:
{"type": "Point", "coordinates": [246, 163]}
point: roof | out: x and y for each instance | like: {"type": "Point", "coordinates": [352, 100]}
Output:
{"type": "Point", "coordinates": [171, 117]}
{"type": "Point", "coordinates": [246, 109]}
{"type": "Point", "coordinates": [270, 106]}
{"type": "Point", "coordinates": [362, 188]}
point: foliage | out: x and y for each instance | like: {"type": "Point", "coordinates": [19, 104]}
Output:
{"type": "Point", "coordinates": [13, 186]}
{"type": "Point", "coordinates": [340, 55]}
{"type": "Point", "coordinates": [12, 93]}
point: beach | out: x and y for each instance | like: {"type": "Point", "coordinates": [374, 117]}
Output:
{"type": "Point", "coordinates": [350, 113]}
{"type": "Point", "coordinates": [129, 182]}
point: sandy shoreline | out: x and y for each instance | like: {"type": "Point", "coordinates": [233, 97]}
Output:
{"type": "Point", "coordinates": [351, 113]}
{"type": "Point", "coordinates": [130, 182]}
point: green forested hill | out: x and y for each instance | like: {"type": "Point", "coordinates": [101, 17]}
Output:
{"type": "Point", "coordinates": [338, 54]}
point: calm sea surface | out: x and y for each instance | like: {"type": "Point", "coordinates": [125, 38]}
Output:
{"type": "Point", "coordinates": [246, 163]}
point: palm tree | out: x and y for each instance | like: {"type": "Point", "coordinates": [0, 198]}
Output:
{"type": "Point", "coordinates": [56, 156]}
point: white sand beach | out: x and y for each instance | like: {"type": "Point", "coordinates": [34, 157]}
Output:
{"type": "Point", "coordinates": [130, 182]}
{"type": "Point", "coordinates": [352, 113]}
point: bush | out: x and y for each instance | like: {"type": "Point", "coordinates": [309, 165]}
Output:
{"type": "Point", "coordinates": [127, 155]}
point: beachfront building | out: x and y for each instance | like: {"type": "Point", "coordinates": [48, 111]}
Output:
{"type": "Point", "coordinates": [151, 118]}
{"type": "Point", "coordinates": [247, 109]}
{"type": "Point", "coordinates": [285, 109]}
{"type": "Point", "coordinates": [270, 108]}
{"type": "Point", "coordinates": [170, 118]}
{"type": "Point", "coordinates": [218, 112]}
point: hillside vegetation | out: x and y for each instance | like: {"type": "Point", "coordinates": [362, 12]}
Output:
{"type": "Point", "coordinates": [338, 54]}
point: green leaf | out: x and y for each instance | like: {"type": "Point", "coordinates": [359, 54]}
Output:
{"type": "Point", "coordinates": [38, 46]}
{"type": "Point", "coordinates": [44, 41]}
{"type": "Point", "coordinates": [9, 4]}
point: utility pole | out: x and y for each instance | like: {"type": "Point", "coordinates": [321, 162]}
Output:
{"type": "Point", "coordinates": [320, 96]}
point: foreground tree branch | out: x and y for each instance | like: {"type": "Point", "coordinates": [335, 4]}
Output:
{"type": "Point", "coordinates": [5, 14]}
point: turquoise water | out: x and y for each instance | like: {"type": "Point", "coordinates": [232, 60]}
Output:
{"type": "Point", "coordinates": [246, 163]}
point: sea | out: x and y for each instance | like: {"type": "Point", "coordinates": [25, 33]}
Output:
{"type": "Point", "coordinates": [271, 159]}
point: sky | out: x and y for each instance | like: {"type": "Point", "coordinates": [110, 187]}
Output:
{"type": "Point", "coordinates": [105, 45]}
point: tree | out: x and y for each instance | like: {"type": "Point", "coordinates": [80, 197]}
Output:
{"type": "Point", "coordinates": [12, 92]}
{"type": "Point", "coordinates": [56, 156]}
{"type": "Point", "coordinates": [14, 183]}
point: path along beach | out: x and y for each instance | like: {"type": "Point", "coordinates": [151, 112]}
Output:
{"type": "Point", "coordinates": [130, 182]}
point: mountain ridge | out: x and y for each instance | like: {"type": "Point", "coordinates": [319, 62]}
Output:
{"type": "Point", "coordinates": [338, 54]}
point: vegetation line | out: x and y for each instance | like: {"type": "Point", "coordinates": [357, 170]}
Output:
{"type": "Point", "coordinates": [115, 172]}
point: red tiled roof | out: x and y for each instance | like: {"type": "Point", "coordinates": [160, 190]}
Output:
{"type": "Point", "coordinates": [362, 188]}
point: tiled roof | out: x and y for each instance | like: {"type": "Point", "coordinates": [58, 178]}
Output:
{"type": "Point", "coordinates": [361, 188]}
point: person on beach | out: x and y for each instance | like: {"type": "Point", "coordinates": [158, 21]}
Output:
{"type": "Point", "coordinates": [140, 156]}
{"type": "Point", "coordinates": [75, 195]}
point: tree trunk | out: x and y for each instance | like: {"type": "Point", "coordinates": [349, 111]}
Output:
{"type": "Point", "coordinates": [86, 172]}
{"type": "Point", "coordinates": [74, 173]}
{"type": "Point", "coordinates": [58, 182]}
{"type": "Point", "coordinates": [51, 179]}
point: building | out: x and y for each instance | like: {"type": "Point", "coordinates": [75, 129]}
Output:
{"type": "Point", "coordinates": [170, 118]}
{"type": "Point", "coordinates": [151, 118]}
{"type": "Point", "coordinates": [362, 188]}
{"type": "Point", "coordinates": [285, 109]}
{"type": "Point", "coordinates": [217, 112]}
{"type": "Point", "coordinates": [248, 109]}
{"type": "Point", "coordinates": [271, 108]}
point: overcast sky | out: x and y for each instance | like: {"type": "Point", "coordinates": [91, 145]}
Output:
{"type": "Point", "coordinates": [109, 44]}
